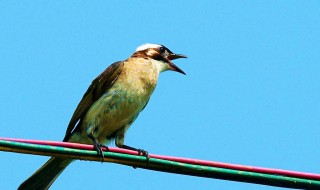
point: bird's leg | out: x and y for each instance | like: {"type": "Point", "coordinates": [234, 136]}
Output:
{"type": "Point", "coordinates": [140, 151]}
{"type": "Point", "coordinates": [119, 139]}
{"type": "Point", "coordinates": [97, 145]}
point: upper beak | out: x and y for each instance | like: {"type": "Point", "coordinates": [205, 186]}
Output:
{"type": "Point", "coordinates": [176, 56]}
{"type": "Point", "coordinates": [173, 66]}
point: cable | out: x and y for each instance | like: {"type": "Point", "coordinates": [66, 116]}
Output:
{"type": "Point", "coordinates": [186, 166]}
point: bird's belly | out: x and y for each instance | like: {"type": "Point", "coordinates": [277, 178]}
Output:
{"type": "Point", "coordinates": [113, 111]}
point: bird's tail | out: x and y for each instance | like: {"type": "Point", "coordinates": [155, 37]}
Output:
{"type": "Point", "coordinates": [46, 175]}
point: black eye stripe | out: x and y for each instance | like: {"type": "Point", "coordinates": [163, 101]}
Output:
{"type": "Point", "coordinates": [159, 58]}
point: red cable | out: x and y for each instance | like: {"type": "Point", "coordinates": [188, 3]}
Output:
{"type": "Point", "coordinates": [177, 159]}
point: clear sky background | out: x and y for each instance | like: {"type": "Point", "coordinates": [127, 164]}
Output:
{"type": "Point", "coordinates": [251, 94]}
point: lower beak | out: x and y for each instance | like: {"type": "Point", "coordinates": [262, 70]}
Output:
{"type": "Point", "coordinates": [176, 56]}
{"type": "Point", "coordinates": [176, 68]}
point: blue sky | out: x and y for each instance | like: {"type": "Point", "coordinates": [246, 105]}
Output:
{"type": "Point", "coordinates": [251, 94]}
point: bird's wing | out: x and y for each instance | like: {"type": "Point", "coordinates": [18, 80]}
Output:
{"type": "Point", "coordinates": [98, 86]}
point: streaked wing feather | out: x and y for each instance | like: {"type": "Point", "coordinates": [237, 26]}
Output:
{"type": "Point", "coordinates": [98, 86]}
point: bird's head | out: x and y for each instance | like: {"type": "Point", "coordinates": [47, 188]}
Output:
{"type": "Point", "coordinates": [161, 54]}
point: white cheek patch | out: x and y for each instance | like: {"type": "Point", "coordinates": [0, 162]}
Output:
{"type": "Point", "coordinates": [151, 52]}
{"type": "Point", "coordinates": [147, 46]}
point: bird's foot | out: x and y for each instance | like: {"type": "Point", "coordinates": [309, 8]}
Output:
{"type": "Point", "coordinates": [98, 147]}
{"type": "Point", "coordinates": [140, 151]}
{"type": "Point", "coordinates": [143, 153]}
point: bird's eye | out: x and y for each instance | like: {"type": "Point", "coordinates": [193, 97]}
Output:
{"type": "Point", "coordinates": [162, 49]}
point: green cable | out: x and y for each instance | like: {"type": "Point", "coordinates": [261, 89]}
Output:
{"type": "Point", "coordinates": [162, 165]}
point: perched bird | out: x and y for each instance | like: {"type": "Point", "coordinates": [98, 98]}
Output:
{"type": "Point", "coordinates": [110, 105]}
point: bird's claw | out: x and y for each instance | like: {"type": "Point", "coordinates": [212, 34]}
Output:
{"type": "Point", "coordinates": [98, 147]}
{"type": "Point", "coordinates": [143, 152]}
{"type": "Point", "coordinates": [140, 151]}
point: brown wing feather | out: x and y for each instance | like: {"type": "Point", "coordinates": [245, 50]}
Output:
{"type": "Point", "coordinates": [98, 86]}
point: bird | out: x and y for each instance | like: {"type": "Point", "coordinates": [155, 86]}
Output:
{"type": "Point", "coordinates": [110, 105]}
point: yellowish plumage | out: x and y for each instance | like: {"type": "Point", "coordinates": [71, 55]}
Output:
{"type": "Point", "coordinates": [113, 113]}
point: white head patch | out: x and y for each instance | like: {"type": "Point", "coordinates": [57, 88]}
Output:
{"type": "Point", "coordinates": [147, 46]}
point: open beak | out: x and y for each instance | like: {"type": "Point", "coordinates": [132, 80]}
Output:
{"type": "Point", "coordinates": [173, 66]}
